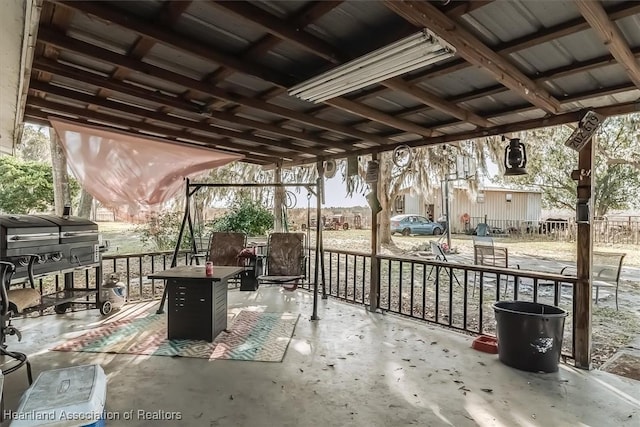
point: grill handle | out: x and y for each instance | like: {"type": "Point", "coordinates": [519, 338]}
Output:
{"type": "Point", "coordinates": [30, 237]}
{"type": "Point", "coordinates": [79, 233]}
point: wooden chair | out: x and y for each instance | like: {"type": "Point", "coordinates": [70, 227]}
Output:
{"type": "Point", "coordinates": [485, 253]}
{"type": "Point", "coordinates": [286, 260]}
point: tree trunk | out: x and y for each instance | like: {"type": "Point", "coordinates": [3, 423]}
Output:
{"type": "Point", "coordinates": [384, 196]}
{"type": "Point", "coordinates": [85, 204]}
{"type": "Point", "coordinates": [61, 190]}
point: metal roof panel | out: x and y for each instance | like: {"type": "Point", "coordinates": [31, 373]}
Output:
{"type": "Point", "coordinates": [107, 35]}
{"type": "Point", "coordinates": [352, 25]}
{"type": "Point", "coordinates": [208, 25]}
{"type": "Point", "coordinates": [179, 61]}
{"type": "Point", "coordinates": [502, 21]}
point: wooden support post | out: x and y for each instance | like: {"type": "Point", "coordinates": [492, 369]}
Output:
{"type": "Point", "coordinates": [319, 253]}
{"type": "Point", "coordinates": [374, 276]}
{"type": "Point", "coordinates": [582, 292]}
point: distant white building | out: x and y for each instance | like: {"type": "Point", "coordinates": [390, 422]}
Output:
{"type": "Point", "coordinates": [502, 207]}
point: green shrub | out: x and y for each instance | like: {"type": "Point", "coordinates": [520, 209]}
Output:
{"type": "Point", "coordinates": [245, 216]}
{"type": "Point", "coordinates": [161, 232]}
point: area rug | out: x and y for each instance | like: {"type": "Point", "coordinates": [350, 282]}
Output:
{"type": "Point", "coordinates": [251, 335]}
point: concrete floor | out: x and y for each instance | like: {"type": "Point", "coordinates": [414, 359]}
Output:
{"type": "Point", "coordinates": [351, 368]}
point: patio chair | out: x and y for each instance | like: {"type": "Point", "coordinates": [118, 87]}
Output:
{"type": "Point", "coordinates": [482, 229]}
{"type": "Point", "coordinates": [439, 255]}
{"type": "Point", "coordinates": [224, 248]}
{"type": "Point", "coordinates": [13, 302]}
{"type": "Point", "coordinates": [286, 260]}
{"type": "Point", "coordinates": [487, 254]}
{"type": "Point", "coordinates": [482, 241]}
{"type": "Point", "coordinates": [606, 269]}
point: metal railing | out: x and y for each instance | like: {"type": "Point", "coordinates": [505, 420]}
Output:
{"type": "Point", "coordinates": [458, 296]}
{"type": "Point", "coordinates": [134, 269]}
{"type": "Point", "coordinates": [606, 231]}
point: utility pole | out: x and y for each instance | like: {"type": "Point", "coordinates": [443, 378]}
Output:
{"type": "Point", "coordinates": [447, 209]}
{"type": "Point", "coordinates": [464, 169]}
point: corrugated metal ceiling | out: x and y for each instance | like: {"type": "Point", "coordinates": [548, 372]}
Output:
{"type": "Point", "coordinates": [353, 27]}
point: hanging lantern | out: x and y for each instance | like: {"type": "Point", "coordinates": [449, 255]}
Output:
{"type": "Point", "coordinates": [515, 158]}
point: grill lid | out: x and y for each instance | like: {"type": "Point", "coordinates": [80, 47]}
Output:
{"type": "Point", "coordinates": [26, 221]}
{"type": "Point", "coordinates": [73, 228]}
{"type": "Point", "coordinates": [26, 231]}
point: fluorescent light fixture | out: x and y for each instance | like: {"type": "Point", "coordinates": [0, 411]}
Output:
{"type": "Point", "coordinates": [398, 58]}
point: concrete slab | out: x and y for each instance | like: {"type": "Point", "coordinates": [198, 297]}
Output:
{"type": "Point", "coordinates": [350, 368]}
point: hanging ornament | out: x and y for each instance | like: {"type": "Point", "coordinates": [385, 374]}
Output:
{"type": "Point", "coordinates": [373, 170]}
{"type": "Point", "coordinates": [402, 156]}
{"type": "Point", "coordinates": [330, 169]}
{"type": "Point", "coordinates": [352, 166]}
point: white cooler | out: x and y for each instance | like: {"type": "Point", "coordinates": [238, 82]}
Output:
{"type": "Point", "coordinates": [69, 397]}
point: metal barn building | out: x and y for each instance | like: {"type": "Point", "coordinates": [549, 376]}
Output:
{"type": "Point", "coordinates": [502, 207]}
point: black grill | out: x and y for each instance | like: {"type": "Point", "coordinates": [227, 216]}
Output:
{"type": "Point", "coordinates": [61, 243]}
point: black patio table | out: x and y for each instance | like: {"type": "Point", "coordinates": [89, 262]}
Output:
{"type": "Point", "coordinates": [197, 302]}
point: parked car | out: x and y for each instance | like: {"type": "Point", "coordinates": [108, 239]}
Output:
{"type": "Point", "coordinates": [414, 224]}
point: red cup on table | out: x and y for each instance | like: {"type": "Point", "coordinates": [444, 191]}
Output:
{"type": "Point", "coordinates": [208, 268]}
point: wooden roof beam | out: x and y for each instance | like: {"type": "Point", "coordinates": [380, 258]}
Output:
{"type": "Point", "coordinates": [161, 35]}
{"type": "Point", "coordinates": [424, 14]}
{"type": "Point", "coordinates": [165, 36]}
{"type": "Point", "coordinates": [560, 119]}
{"type": "Point", "coordinates": [168, 16]}
{"type": "Point", "coordinates": [544, 35]}
{"type": "Point", "coordinates": [38, 107]}
{"type": "Point", "coordinates": [453, 10]}
{"type": "Point", "coordinates": [564, 71]}
{"type": "Point", "coordinates": [549, 75]}
{"type": "Point", "coordinates": [301, 19]}
{"type": "Point", "coordinates": [611, 36]}
{"type": "Point", "coordinates": [46, 35]}
{"type": "Point", "coordinates": [459, 8]}
{"type": "Point", "coordinates": [144, 114]}
{"type": "Point", "coordinates": [144, 130]}
{"type": "Point", "coordinates": [280, 29]}
{"type": "Point", "coordinates": [436, 102]}
{"type": "Point", "coordinates": [173, 102]}
{"type": "Point", "coordinates": [375, 115]}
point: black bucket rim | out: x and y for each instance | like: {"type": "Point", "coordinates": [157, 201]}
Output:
{"type": "Point", "coordinates": [497, 308]}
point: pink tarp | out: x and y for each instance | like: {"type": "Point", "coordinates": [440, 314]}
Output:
{"type": "Point", "coordinates": [133, 172]}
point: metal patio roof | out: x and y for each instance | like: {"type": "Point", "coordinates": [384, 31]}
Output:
{"type": "Point", "coordinates": [217, 73]}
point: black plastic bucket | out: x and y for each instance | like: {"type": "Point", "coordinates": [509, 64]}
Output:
{"type": "Point", "coordinates": [529, 335]}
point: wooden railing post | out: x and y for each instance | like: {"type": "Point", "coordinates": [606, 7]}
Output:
{"type": "Point", "coordinates": [374, 274]}
{"type": "Point", "coordinates": [582, 290]}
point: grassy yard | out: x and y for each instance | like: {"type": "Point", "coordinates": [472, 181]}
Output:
{"type": "Point", "coordinates": [540, 248]}
{"type": "Point", "coordinates": [122, 237]}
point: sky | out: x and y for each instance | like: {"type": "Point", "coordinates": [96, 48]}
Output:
{"type": "Point", "coordinates": [335, 195]}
